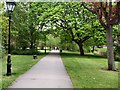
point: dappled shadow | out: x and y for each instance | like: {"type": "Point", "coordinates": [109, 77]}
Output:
{"type": "Point", "coordinates": [106, 69]}
{"type": "Point", "coordinates": [86, 56]}
{"type": "Point", "coordinates": [12, 74]}
{"type": "Point", "coordinates": [43, 53]}
{"type": "Point", "coordinates": [53, 53]}
{"type": "Point", "coordinates": [78, 55]}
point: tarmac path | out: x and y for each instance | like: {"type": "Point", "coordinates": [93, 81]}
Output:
{"type": "Point", "coordinates": [49, 72]}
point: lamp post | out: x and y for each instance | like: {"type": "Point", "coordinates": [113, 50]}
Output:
{"type": "Point", "coordinates": [45, 41]}
{"type": "Point", "coordinates": [10, 7]}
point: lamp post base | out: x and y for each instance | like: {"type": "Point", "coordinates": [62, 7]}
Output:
{"type": "Point", "coordinates": [9, 65]}
{"type": "Point", "coordinates": [45, 50]}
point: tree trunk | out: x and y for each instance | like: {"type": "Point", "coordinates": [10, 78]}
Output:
{"type": "Point", "coordinates": [81, 49]}
{"type": "Point", "coordinates": [93, 49]}
{"type": "Point", "coordinates": [110, 52]}
{"type": "Point", "coordinates": [31, 45]}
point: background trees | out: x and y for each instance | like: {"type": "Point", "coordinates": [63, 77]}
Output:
{"type": "Point", "coordinates": [68, 21]}
{"type": "Point", "coordinates": [70, 24]}
{"type": "Point", "coordinates": [79, 24]}
{"type": "Point", "coordinates": [20, 24]}
{"type": "Point", "coordinates": [3, 26]}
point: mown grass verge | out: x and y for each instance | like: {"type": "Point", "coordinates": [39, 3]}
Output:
{"type": "Point", "coordinates": [20, 64]}
{"type": "Point", "coordinates": [89, 71]}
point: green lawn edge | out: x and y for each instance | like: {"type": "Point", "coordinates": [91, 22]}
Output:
{"type": "Point", "coordinates": [89, 71]}
{"type": "Point", "coordinates": [20, 65]}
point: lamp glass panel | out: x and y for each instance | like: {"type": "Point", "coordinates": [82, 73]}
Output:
{"type": "Point", "coordinates": [10, 6]}
{"type": "Point", "coordinates": [13, 7]}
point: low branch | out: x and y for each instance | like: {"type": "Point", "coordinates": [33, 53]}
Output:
{"type": "Point", "coordinates": [93, 11]}
{"type": "Point", "coordinates": [86, 38]}
{"type": "Point", "coordinates": [101, 21]}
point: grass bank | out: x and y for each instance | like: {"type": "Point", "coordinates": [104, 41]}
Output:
{"type": "Point", "coordinates": [20, 64]}
{"type": "Point", "coordinates": [89, 71]}
{"type": "Point", "coordinates": [101, 49]}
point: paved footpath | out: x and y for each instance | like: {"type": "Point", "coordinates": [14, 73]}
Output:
{"type": "Point", "coordinates": [49, 72]}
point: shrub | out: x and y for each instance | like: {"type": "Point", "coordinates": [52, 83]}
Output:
{"type": "Point", "coordinates": [117, 53]}
{"type": "Point", "coordinates": [87, 49]}
{"type": "Point", "coordinates": [117, 50]}
{"type": "Point", "coordinates": [25, 52]}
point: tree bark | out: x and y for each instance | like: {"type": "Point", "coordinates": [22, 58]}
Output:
{"type": "Point", "coordinates": [81, 49]}
{"type": "Point", "coordinates": [110, 53]}
{"type": "Point", "coordinates": [93, 49]}
{"type": "Point", "coordinates": [31, 45]}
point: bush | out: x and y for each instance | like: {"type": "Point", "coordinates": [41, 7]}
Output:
{"type": "Point", "coordinates": [117, 50]}
{"type": "Point", "coordinates": [87, 49]}
{"type": "Point", "coordinates": [117, 53]}
{"type": "Point", "coordinates": [3, 52]}
{"type": "Point", "coordinates": [25, 52]}
{"type": "Point", "coordinates": [117, 59]}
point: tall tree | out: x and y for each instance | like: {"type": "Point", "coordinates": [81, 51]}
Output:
{"type": "Point", "coordinates": [76, 22]}
{"type": "Point", "coordinates": [19, 32]}
{"type": "Point", "coordinates": [108, 14]}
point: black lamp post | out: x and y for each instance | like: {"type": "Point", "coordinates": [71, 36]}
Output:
{"type": "Point", "coordinates": [45, 41]}
{"type": "Point", "coordinates": [10, 7]}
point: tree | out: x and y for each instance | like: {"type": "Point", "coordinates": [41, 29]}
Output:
{"type": "Point", "coordinates": [33, 31]}
{"type": "Point", "coordinates": [108, 14]}
{"type": "Point", "coordinates": [25, 33]}
{"type": "Point", "coordinates": [98, 38]}
{"type": "Point", "coordinates": [76, 22]}
{"type": "Point", "coordinates": [3, 26]}
{"type": "Point", "coordinates": [20, 29]}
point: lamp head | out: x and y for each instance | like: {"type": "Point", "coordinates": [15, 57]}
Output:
{"type": "Point", "coordinates": [10, 5]}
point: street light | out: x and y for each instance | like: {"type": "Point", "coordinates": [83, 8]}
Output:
{"type": "Point", "coordinates": [45, 42]}
{"type": "Point", "coordinates": [10, 7]}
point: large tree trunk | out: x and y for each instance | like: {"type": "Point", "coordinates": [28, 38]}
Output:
{"type": "Point", "coordinates": [110, 52]}
{"type": "Point", "coordinates": [81, 49]}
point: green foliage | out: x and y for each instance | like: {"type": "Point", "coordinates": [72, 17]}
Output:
{"type": "Point", "coordinates": [87, 49]}
{"type": "Point", "coordinates": [22, 32]}
{"type": "Point", "coordinates": [101, 49]}
{"type": "Point", "coordinates": [3, 25]}
{"type": "Point", "coordinates": [117, 50]}
{"type": "Point", "coordinates": [25, 52]}
{"type": "Point", "coordinates": [53, 41]}
{"type": "Point", "coordinates": [79, 25]}
{"type": "Point", "coordinates": [33, 22]}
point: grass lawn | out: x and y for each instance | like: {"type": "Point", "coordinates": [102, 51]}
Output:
{"type": "Point", "coordinates": [101, 49]}
{"type": "Point", "coordinates": [89, 71]}
{"type": "Point", "coordinates": [20, 64]}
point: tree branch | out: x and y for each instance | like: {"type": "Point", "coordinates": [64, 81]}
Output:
{"type": "Point", "coordinates": [101, 21]}
{"type": "Point", "coordinates": [85, 38]}
{"type": "Point", "coordinates": [93, 11]}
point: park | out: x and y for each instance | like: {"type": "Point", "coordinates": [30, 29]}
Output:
{"type": "Point", "coordinates": [60, 44]}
